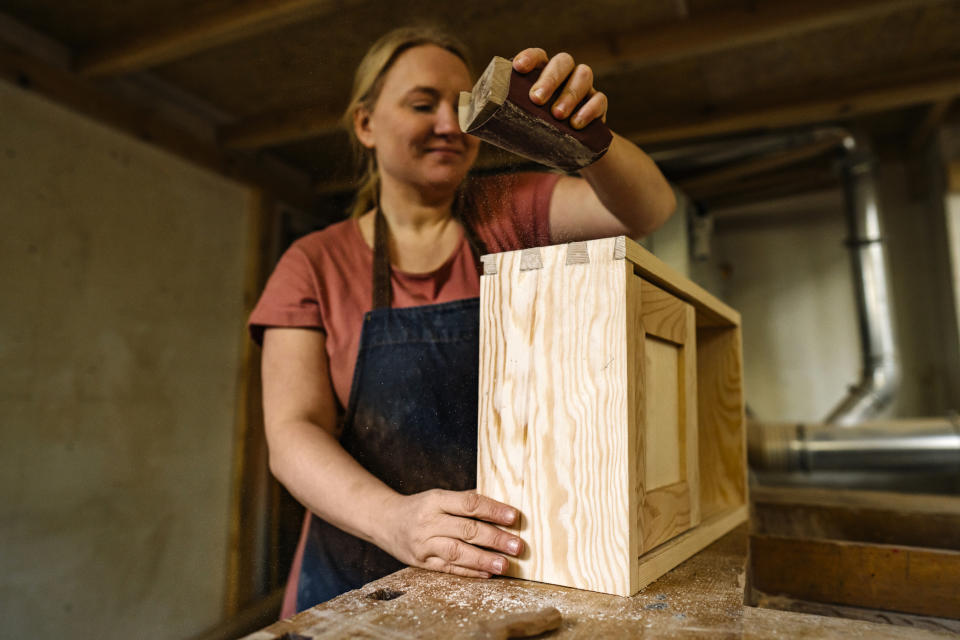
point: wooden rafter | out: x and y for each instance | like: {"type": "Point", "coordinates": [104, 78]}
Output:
{"type": "Point", "coordinates": [186, 38]}
{"type": "Point", "coordinates": [722, 30]}
{"type": "Point", "coordinates": [840, 105]}
{"type": "Point", "coordinates": [771, 162]}
{"type": "Point", "coordinates": [278, 127]}
{"type": "Point", "coordinates": [83, 96]}
{"type": "Point", "coordinates": [700, 35]}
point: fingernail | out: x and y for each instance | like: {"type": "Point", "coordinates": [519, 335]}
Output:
{"type": "Point", "coordinates": [510, 516]}
{"type": "Point", "coordinates": [520, 60]}
{"type": "Point", "coordinates": [539, 93]}
{"type": "Point", "coordinates": [576, 122]}
{"type": "Point", "coordinates": [560, 112]}
{"type": "Point", "coordinates": [513, 546]}
{"type": "Point", "coordinates": [499, 565]}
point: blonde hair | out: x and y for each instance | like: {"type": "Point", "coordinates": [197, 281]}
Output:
{"type": "Point", "coordinates": [367, 84]}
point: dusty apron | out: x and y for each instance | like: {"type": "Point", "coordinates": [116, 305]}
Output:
{"type": "Point", "coordinates": [411, 420]}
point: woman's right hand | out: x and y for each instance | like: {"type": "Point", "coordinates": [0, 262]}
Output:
{"type": "Point", "coordinates": [450, 531]}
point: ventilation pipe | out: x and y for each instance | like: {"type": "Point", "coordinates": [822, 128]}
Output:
{"type": "Point", "coordinates": [880, 369]}
{"type": "Point", "coordinates": [930, 446]}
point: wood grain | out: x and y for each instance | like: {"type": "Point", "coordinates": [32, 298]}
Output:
{"type": "Point", "coordinates": [711, 312]}
{"type": "Point", "coordinates": [720, 412]}
{"type": "Point", "coordinates": [553, 412]}
{"type": "Point", "coordinates": [663, 434]}
{"type": "Point", "coordinates": [899, 578]}
{"type": "Point", "coordinates": [862, 516]}
{"type": "Point", "coordinates": [588, 413]}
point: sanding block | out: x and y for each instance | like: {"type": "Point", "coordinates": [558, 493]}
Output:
{"type": "Point", "coordinates": [499, 110]}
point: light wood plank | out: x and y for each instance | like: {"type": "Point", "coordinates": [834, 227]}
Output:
{"type": "Point", "coordinates": [899, 578]}
{"type": "Point", "coordinates": [666, 514]}
{"type": "Point", "coordinates": [187, 37]}
{"type": "Point", "coordinates": [664, 316]}
{"type": "Point", "coordinates": [657, 562]}
{"type": "Point", "coordinates": [663, 433]}
{"type": "Point", "coordinates": [710, 310]}
{"type": "Point", "coordinates": [720, 414]}
{"type": "Point", "coordinates": [636, 412]}
{"type": "Point", "coordinates": [559, 389]}
{"type": "Point", "coordinates": [688, 416]}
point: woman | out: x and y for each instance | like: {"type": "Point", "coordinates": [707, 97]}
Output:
{"type": "Point", "coordinates": [388, 478]}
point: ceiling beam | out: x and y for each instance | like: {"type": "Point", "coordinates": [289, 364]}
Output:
{"type": "Point", "coordinates": [143, 122]}
{"type": "Point", "coordinates": [699, 35]}
{"type": "Point", "coordinates": [763, 164]}
{"type": "Point", "coordinates": [726, 29]}
{"type": "Point", "coordinates": [278, 127]}
{"type": "Point", "coordinates": [825, 107]}
{"type": "Point", "coordinates": [188, 37]}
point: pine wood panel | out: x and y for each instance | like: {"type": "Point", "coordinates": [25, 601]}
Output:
{"type": "Point", "coordinates": [553, 399]}
{"type": "Point", "coordinates": [588, 412]}
{"type": "Point", "coordinates": [720, 412]}
{"type": "Point", "coordinates": [663, 460]}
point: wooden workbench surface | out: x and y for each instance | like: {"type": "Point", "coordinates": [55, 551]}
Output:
{"type": "Point", "coordinates": [702, 598]}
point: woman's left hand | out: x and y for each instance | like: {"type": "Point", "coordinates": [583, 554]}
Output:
{"type": "Point", "coordinates": [577, 82]}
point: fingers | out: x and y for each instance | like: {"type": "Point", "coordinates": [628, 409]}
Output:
{"type": "Point", "coordinates": [473, 505]}
{"type": "Point", "coordinates": [480, 534]}
{"type": "Point", "coordinates": [529, 59]}
{"type": "Point", "coordinates": [596, 107]}
{"type": "Point", "coordinates": [455, 556]}
{"type": "Point", "coordinates": [577, 82]}
{"type": "Point", "coordinates": [558, 68]}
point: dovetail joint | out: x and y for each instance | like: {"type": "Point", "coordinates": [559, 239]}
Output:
{"type": "Point", "coordinates": [620, 248]}
{"type": "Point", "coordinates": [577, 253]}
{"type": "Point", "coordinates": [530, 259]}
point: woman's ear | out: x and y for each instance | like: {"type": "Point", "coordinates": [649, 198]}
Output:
{"type": "Point", "coordinates": [363, 127]}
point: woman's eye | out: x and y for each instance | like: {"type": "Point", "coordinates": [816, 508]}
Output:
{"type": "Point", "coordinates": [422, 107]}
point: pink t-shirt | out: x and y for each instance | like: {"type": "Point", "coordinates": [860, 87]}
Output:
{"type": "Point", "coordinates": [324, 280]}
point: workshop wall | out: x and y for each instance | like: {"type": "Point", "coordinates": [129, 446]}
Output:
{"type": "Point", "coordinates": [784, 266]}
{"type": "Point", "coordinates": [119, 349]}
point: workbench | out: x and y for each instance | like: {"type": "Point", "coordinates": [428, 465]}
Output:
{"type": "Point", "coordinates": [702, 597]}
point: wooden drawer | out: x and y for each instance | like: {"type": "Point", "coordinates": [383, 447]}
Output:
{"type": "Point", "coordinates": [611, 412]}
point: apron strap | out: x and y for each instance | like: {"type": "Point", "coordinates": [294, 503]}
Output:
{"type": "Point", "coordinates": [382, 290]}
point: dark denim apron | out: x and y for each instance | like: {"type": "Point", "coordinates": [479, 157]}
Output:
{"type": "Point", "coordinates": [411, 421]}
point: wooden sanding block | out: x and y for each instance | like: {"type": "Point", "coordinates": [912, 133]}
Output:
{"type": "Point", "coordinates": [499, 110]}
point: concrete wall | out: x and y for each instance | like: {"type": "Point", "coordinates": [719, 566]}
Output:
{"type": "Point", "coordinates": [120, 340]}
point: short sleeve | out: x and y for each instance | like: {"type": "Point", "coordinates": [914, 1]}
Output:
{"type": "Point", "coordinates": [513, 210]}
{"type": "Point", "coordinates": [290, 298]}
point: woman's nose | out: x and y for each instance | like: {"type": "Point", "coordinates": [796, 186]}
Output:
{"type": "Point", "coordinates": [447, 122]}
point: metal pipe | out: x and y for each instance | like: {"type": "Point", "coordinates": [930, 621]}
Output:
{"type": "Point", "coordinates": [931, 445]}
{"type": "Point", "coordinates": [880, 370]}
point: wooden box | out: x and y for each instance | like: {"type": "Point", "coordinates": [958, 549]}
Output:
{"type": "Point", "coordinates": [611, 412]}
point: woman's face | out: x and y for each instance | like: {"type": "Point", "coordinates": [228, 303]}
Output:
{"type": "Point", "coordinates": [413, 127]}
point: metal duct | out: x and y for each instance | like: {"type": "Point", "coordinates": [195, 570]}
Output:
{"type": "Point", "coordinates": [930, 445]}
{"type": "Point", "coordinates": [880, 372]}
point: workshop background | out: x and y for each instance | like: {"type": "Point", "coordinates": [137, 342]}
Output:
{"type": "Point", "coordinates": [157, 155]}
